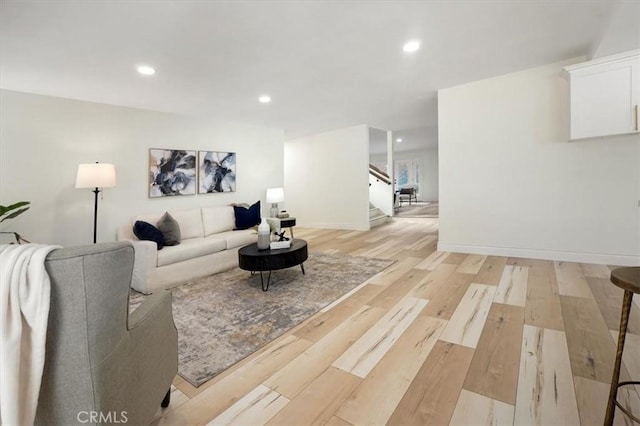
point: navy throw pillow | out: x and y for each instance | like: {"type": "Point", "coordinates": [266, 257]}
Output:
{"type": "Point", "coordinates": [146, 231]}
{"type": "Point", "coordinates": [246, 218]}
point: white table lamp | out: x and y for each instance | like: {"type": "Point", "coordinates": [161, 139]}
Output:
{"type": "Point", "coordinates": [275, 196]}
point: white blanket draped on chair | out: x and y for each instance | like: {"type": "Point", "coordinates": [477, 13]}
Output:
{"type": "Point", "coordinates": [24, 313]}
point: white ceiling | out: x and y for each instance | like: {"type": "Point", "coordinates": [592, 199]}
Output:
{"type": "Point", "coordinates": [326, 65]}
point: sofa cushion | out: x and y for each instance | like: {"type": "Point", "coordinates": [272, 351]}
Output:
{"type": "Point", "coordinates": [190, 221]}
{"type": "Point", "coordinates": [189, 249]}
{"type": "Point", "coordinates": [146, 231]}
{"type": "Point", "coordinates": [217, 219]}
{"type": "Point", "coordinates": [234, 239]}
{"type": "Point", "coordinates": [246, 218]}
{"type": "Point", "coordinates": [170, 230]}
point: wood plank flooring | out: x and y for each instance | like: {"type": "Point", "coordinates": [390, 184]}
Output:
{"type": "Point", "coordinates": [435, 339]}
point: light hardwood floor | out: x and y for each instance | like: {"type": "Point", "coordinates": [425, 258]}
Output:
{"type": "Point", "coordinates": [435, 339]}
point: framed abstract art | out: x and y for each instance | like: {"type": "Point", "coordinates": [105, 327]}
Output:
{"type": "Point", "coordinates": [172, 172]}
{"type": "Point", "coordinates": [217, 172]}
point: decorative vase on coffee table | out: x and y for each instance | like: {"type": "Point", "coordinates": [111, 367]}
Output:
{"type": "Point", "coordinates": [264, 235]}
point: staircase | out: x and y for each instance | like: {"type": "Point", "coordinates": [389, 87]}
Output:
{"type": "Point", "coordinates": [376, 216]}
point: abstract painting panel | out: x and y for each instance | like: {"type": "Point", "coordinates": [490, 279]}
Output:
{"type": "Point", "coordinates": [172, 172]}
{"type": "Point", "coordinates": [217, 172]}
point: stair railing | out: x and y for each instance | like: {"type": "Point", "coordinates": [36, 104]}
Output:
{"type": "Point", "coordinates": [380, 175]}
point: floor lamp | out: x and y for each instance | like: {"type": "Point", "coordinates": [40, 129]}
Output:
{"type": "Point", "coordinates": [96, 176]}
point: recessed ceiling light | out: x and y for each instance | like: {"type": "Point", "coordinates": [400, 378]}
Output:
{"type": "Point", "coordinates": [399, 140]}
{"type": "Point", "coordinates": [264, 99]}
{"type": "Point", "coordinates": [146, 70]}
{"type": "Point", "coordinates": [411, 46]}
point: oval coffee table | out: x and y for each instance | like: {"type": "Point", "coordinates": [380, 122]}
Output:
{"type": "Point", "coordinates": [254, 260]}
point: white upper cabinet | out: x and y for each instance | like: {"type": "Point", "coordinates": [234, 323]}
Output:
{"type": "Point", "coordinates": [605, 94]}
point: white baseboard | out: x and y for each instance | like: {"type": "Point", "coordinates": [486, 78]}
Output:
{"type": "Point", "coordinates": [566, 256]}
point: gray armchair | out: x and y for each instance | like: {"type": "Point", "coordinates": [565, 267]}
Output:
{"type": "Point", "coordinates": [99, 359]}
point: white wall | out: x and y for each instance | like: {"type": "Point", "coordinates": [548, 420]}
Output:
{"type": "Point", "coordinates": [43, 139]}
{"type": "Point", "coordinates": [380, 161]}
{"type": "Point", "coordinates": [381, 195]}
{"type": "Point", "coordinates": [378, 147]}
{"type": "Point", "coordinates": [430, 183]}
{"type": "Point", "coordinates": [326, 179]}
{"type": "Point", "coordinates": [622, 32]}
{"type": "Point", "coordinates": [511, 184]}
{"type": "Point", "coordinates": [428, 161]}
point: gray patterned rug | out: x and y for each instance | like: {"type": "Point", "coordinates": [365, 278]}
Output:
{"type": "Point", "coordinates": [223, 318]}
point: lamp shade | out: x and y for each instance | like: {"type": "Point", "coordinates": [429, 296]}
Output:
{"type": "Point", "coordinates": [275, 195]}
{"type": "Point", "coordinates": [96, 175]}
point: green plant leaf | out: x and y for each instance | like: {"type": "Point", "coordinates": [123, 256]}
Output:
{"type": "Point", "coordinates": [14, 214]}
{"type": "Point", "coordinates": [13, 210]}
{"type": "Point", "coordinates": [5, 209]}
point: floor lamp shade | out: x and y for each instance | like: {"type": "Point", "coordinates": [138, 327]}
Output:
{"type": "Point", "coordinates": [275, 196]}
{"type": "Point", "coordinates": [96, 176]}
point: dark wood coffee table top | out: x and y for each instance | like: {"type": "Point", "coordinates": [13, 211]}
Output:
{"type": "Point", "coordinates": [252, 259]}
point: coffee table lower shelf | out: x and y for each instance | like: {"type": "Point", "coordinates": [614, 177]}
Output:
{"type": "Point", "coordinates": [254, 260]}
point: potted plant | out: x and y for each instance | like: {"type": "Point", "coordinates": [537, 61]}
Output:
{"type": "Point", "coordinates": [12, 211]}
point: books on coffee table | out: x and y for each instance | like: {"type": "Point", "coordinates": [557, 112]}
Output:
{"type": "Point", "coordinates": [279, 245]}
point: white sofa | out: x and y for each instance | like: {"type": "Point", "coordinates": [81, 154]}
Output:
{"type": "Point", "coordinates": [208, 245]}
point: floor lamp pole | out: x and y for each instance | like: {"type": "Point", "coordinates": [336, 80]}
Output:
{"type": "Point", "coordinates": [95, 215]}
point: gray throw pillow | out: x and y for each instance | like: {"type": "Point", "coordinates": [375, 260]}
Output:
{"type": "Point", "coordinates": [170, 230]}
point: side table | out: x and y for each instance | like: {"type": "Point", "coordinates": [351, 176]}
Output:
{"type": "Point", "coordinates": [288, 222]}
{"type": "Point", "coordinates": [627, 279]}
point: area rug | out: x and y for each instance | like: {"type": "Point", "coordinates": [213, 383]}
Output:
{"type": "Point", "coordinates": [225, 317]}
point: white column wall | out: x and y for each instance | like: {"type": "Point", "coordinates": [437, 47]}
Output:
{"type": "Point", "coordinates": [326, 179]}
